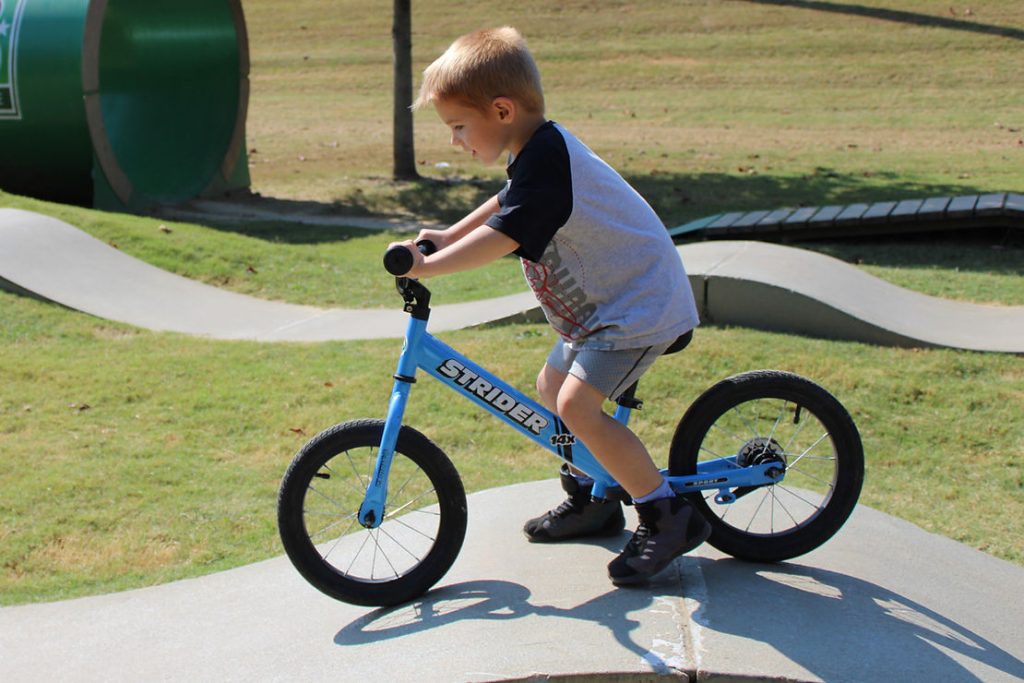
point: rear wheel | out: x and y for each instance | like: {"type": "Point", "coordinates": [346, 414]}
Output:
{"type": "Point", "coordinates": [771, 416]}
{"type": "Point", "coordinates": [424, 522]}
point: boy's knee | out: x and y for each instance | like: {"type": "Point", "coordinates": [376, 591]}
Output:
{"type": "Point", "coordinates": [578, 404]}
{"type": "Point", "coordinates": [549, 383]}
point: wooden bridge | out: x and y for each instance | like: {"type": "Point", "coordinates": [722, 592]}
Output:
{"type": "Point", "coordinates": [997, 210]}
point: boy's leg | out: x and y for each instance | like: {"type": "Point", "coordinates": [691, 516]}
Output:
{"type": "Point", "coordinates": [669, 525]}
{"type": "Point", "coordinates": [581, 407]}
{"type": "Point", "coordinates": [577, 516]}
{"type": "Point", "coordinates": [549, 383]}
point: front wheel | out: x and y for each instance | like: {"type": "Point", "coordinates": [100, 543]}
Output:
{"type": "Point", "coordinates": [772, 416]}
{"type": "Point", "coordinates": [424, 522]}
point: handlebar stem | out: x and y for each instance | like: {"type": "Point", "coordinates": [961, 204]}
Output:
{"type": "Point", "coordinates": [416, 297]}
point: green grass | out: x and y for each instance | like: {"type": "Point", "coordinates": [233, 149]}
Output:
{"type": "Point", "coordinates": [705, 105]}
{"type": "Point", "coordinates": [132, 458]}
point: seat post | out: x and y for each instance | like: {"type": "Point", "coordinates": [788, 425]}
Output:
{"type": "Point", "coordinates": [628, 399]}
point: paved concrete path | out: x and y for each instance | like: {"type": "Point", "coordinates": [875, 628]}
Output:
{"type": "Point", "coordinates": [882, 601]}
{"type": "Point", "coordinates": [752, 284]}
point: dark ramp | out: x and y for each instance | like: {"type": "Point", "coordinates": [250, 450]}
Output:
{"type": "Point", "coordinates": [998, 210]}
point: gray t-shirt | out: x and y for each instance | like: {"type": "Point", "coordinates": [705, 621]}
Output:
{"type": "Point", "coordinates": [597, 257]}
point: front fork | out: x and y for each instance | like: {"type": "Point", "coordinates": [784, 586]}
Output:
{"type": "Point", "coordinates": [371, 512]}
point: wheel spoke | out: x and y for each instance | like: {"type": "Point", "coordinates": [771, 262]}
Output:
{"type": "Point", "coordinates": [399, 543]}
{"type": "Point", "coordinates": [753, 515]}
{"type": "Point", "coordinates": [745, 421]}
{"type": "Point", "coordinates": [355, 555]}
{"type": "Point", "coordinates": [775, 427]}
{"type": "Point", "coordinates": [329, 499]}
{"type": "Point", "coordinates": [811, 447]}
{"type": "Point", "coordinates": [341, 520]}
{"type": "Point", "coordinates": [816, 506]}
{"type": "Point", "coordinates": [377, 547]}
{"type": "Point", "coordinates": [411, 502]}
{"type": "Point", "coordinates": [729, 433]}
{"type": "Point", "coordinates": [776, 499]}
{"type": "Point", "coordinates": [795, 435]}
{"type": "Point", "coordinates": [803, 473]}
{"type": "Point", "coordinates": [355, 470]}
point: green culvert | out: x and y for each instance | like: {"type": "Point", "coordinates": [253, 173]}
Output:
{"type": "Point", "coordinates": [123, 104]}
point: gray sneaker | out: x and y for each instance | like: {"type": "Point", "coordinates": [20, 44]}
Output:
{"type": "Point", "coordinates": [668, 528]}
{"type": "Point", "coordinates": [576, 517]}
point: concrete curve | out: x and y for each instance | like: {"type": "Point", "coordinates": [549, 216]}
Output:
{"type": "Point", "coordinates": [750, 284]}
{"type": "Point", "coordinates": [50, 259]}
{"type": "Point", "coordinates": [510, 610]}
{"type": "Point", "coordinates": [773, 287]}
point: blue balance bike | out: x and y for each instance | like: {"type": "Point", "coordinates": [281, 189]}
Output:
{"type": "Point", "coordinates": [371, 512]}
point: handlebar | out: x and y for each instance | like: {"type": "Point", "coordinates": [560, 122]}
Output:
{"type": "Point", "coordinates": [398, 259]}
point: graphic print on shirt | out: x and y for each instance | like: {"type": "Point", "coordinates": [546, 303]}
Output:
{"type": "Point", "coordinates": [563, 300]}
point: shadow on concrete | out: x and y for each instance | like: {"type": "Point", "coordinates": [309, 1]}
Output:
{"type": "Point", "coordinates": [816, 618]}
{"type": "Point", "coordinates": [497, 600]}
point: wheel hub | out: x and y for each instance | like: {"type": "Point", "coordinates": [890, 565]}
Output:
{"type": "Point", "coordinates": [760, 451]}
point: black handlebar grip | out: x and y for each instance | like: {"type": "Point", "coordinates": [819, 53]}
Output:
{"type": "Point", "coordinates": [398, 259]}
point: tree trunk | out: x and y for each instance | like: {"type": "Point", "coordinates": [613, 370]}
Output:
{"type": "Point", "coordinates": [401, 37]}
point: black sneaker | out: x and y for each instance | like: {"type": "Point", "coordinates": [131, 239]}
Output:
{"type": "Point", "coordinates": [577, 516]}
{"type": "Point", "coordinates": [668, 528]}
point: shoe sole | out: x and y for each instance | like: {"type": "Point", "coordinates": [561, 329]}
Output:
{"type": "Point", "coordinates": [634, 579]}
{"type": "Point", "coordinates": [603, 533]}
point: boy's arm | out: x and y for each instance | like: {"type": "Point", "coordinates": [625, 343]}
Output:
{"type": "Point", "coordinates": [478, 247]}
{"type": "Point", "coordinates": [476, 218]}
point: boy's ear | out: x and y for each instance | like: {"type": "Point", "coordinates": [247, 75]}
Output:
{"type": "Point", "coordinates": [504, 108]}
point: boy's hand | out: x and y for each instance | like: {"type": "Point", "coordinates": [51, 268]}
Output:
{"type": "Point", "coordinates": [417, 256]}
{"type": "Point", "coordinates": [440, 238]}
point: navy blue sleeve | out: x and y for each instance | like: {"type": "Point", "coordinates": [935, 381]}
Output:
{"type": "Point", "coordinates": [537, 200]}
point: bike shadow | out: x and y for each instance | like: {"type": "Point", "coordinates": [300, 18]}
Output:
{"type": "Point", "coordinates": [829, 622]}
{"type": "Point", "coordinates": [496, 600]}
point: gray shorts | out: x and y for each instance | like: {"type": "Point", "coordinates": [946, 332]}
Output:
{"type": "Point", "coordinates": [610, 372]}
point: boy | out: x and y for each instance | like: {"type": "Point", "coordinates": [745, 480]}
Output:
{"type": "Point", "coordinates": [603, 268]}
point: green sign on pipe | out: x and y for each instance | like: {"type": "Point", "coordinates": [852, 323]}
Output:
{"type": "Point", "coordinates": [123, 104]}
{"type": "Point", "coordinates": [10, 19]}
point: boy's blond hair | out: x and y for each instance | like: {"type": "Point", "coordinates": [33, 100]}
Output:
{"type": "Point", "coordinates": [481, 66]}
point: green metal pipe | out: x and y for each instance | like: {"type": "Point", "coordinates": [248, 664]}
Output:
{"type": "Point", "coordinates": [123, 103]}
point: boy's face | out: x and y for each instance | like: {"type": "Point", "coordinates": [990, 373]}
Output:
{"type": "Point", "coordinates": [485, 134]}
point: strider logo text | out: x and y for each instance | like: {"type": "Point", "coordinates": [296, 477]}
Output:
{"type": "Point", "coordinates": [492, 395]}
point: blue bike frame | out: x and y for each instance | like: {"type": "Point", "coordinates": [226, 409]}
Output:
{"type": "Point", "coordinates": [423, 351]}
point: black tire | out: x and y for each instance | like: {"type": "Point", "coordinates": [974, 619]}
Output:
{"type": "Point", "coordinates": [781, 416]}
{"type": "Point", "coordinates": [423, 527]}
